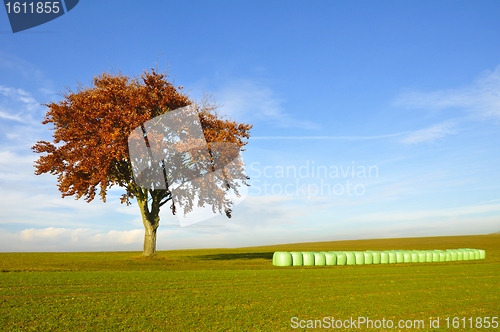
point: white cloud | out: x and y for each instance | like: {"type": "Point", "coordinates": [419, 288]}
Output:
{"type": "Point", "coordinates": [21, 113]}
{"type": "Point", "coordinates": [18, 105]}
{"type": "Point", "coordinates": [119, 237]}
{"type": "Point", "coordinates": [16, 169]}
{"type": "Point", "coordinates": [451, 226]}
{"type": "Point", "coordinates": [27, 70]}
{"type": "Point", "coordinates": [248, 101]}
{"type": "Point", "coordinates": [11, 158]}
{"type": "Point", "coordinates": [431, 133]}
{"type": "Point", "coordinates": [19, 95]}
{"type": "Point", "coordinates": [16, 117]}
{"type": "Point", "coordinates": [20, 123]}
{"type": "Point", "coordinates": [264, 211]}
{"type": "Point", "coordinates": [348, 138]}
{"type": "Point", "coordinates": [481, 98]}
{"type": "Point", "coordinates": [65, 239]}
{"type": "Point", "coordinates": [424, 214]}
{"type": "Point", "coordinates": [21, 188]}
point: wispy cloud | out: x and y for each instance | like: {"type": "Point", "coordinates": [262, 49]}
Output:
{"type": "Point", "coordinates": [17, 105]}
{"type": "Point", "coordinates": [247, 100]}
{"type": "Point", "coordinates": [352, 138]}
{"type": "Point", "coordinates": [25, 69]}
{"type": "Point", "coordinates": [428, 134]}
{"type": "Point", "coordinates": [20, 121]}
{"type": "Point", "coordinates": [17, 94]}
{"type": "Point", "coordinates": [481, 98]}
{"type": "Point", "coordinates": [57, 239]}
{"type": "Point", "coordinates": [431, 133]}
{"type": "Point", "coordinates": [409, 216]}
{"type": "Point", "coordinates": [15, 117]}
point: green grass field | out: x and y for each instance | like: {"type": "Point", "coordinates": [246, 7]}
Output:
{"type": "Point", "coordinates": [240, 289]}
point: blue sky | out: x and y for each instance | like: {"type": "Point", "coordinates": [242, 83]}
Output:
{"type": "Point", "coordinates": [409, 90]}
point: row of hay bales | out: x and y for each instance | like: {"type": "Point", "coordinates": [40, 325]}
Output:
{"type": "Point", "coordinates": [309, 258]}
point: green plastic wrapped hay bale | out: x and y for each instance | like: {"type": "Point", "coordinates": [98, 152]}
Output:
{"type": "Point", "coordinates": [465, 254]}
{"type": "Point", "coordinates": [393, 257]}
{"type": "Point", "coordinates": [307, 258]}
{"type": "Point", "coordinates": [384, 257]}
{"type": "Point", "coordinates": [341, 258]}
{"type": "Point", "coordinates": [414, 256]}
{"type": "Point", "coordinates": [477, 254]}
{"type": "Point", "coordinates": [400, 257]}
{"type": "Point", "coordinates": [331, 258]}
{"type": "Point", "coordinates": [468, 255]}
{"type": "Point", "coordinates": [368, 257]}
{"type": "Point", "coordinates": [297, 259]}
{"type": "Point", "coordinates": [453, 254]}
{"type": "Point", "coordinates": [471, 254]}
{"type": "Point", "coordinates": [461, 255]}
{"type": "Point", "coordinates": [324, 253]}
{"type": "Point", "coordinates": [376, 257]}
{"type": "Point", "coordinates": [428, 256]}
{"type": "Point", "coordinates": [406, 257]}
{"type": "Point", "coordinates": [442, 255]}
{"type": "Point", "coordinates": [448, 256]}
{"type": "Point", "coordinates": [360, 257]}
{"type": "Point", "coordinates": [351, 258]}
{"type": "Point", "coordinates": [435, 256]}
{"type": "Point", "coordinates": [282, 258]}
{"type": "Point", "coordinates": [482, 254]}
{"type": "Point", "coordinates": [319, 258]}
{"type": "Point", "coordinates": [422, 256]}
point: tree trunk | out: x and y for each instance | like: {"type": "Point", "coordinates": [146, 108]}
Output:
{"type": "Point", "coordinates": [149, 241]}
{"type": "Point", "coordinates": [151, 221]}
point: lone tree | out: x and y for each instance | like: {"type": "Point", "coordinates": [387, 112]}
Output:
{"type": "Point", "coordinates": [90, 150]}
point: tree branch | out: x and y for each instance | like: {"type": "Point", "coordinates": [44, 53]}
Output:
{"type": "Point", "coordinates": [165, 201]}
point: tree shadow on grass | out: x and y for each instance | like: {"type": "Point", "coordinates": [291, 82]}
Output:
{"type": "Point", "coordinates": [247, 255]}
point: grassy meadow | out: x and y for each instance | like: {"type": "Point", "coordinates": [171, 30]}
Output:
{"type": "Point", "coordinates": [240, 289]}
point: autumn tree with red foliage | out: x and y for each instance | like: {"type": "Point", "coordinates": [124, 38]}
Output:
{"type": "Point", "coordinates": [90, 150]}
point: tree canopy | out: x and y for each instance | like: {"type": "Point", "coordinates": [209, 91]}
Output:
{"type": "Point", "coordinates": [90, 151]}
